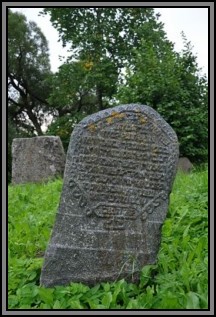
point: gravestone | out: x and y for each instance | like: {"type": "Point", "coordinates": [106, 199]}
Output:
{"type": "Point", "coordinates": [37, 159]}
{"type": "Point", "coordinates": [185, 165]}
{"type": "Point", "coordinates": [120, 167]}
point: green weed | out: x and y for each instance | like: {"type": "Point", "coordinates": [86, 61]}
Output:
{"type": "Point", "coordinates": [179, 279]}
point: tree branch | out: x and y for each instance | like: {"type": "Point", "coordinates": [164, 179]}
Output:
{"type": "Point", "coordinates": [37, 98]}
{"type": "Point", "coordinates": [28, 91]}
{"type": "Point", "coordinates": [14, 102]}
{"type": "Point", "coordinates": [13, 110]}
{"type": "Point", "coordinates": [12, 82]}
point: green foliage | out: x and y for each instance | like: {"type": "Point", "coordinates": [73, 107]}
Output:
{"type": "Point", "coordinates": [73, 96]}
{"type": "Point", "coordinates": [185, 243]}
{"type": "Point", "coordinates": [102, 40]}
{"type": "Point", "coordinates": [67, 86]}
{"type": "Point", "coordinates": [97, 32]}
{"type": "Point", "coordinates": [106, 42]}
{"type": "Point", "coordinates": [171, 84]}
{"type": "Point", "coordinates": [63, 127]}
{"type": "Point", "coordinates": [179, 279]}
{"type": "Point", "coordinates": [32, 216]}
{"type": "Point", "coordinates": [72, 89]}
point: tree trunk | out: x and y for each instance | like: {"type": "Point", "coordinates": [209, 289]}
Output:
{"type": "Point", "coordinates": [99, 98]}
{"type": "Point", "coordinates": [33, 119]}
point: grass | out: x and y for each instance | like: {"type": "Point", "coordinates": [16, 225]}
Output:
{"type": "Point", "coordinates": [179, 279]}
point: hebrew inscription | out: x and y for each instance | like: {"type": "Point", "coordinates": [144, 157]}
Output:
{"type": "Point", "coordinates": [119, 172]}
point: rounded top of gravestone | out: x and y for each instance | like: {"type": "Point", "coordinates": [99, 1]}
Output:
{"type": "Point", "coordinates": [127, 108]}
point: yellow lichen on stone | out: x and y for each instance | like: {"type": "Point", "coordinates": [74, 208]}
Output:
{"type": "Point", "coordinates": [109, 120]}
{"type": "Point", "coordinates": [114, 115]}
{"type": "Point", "coordinates": [142, 120]}
{"type": "Point", "coordinates": [117, 114]}
{"type": "Point", "coordinates": [92, 127]}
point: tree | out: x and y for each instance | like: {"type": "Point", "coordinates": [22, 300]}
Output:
{"type": "Point", "coordinates": [170, 82]}
{"type": "Point", "coordinates": [102, 39]}
{"type": "Point", "coordinates": [28, 70]}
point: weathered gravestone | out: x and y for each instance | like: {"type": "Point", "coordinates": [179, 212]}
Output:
{"type": "Point", "coordinates": [37, 159]}
{"type": "Point", "coordinates": [121, 163]}
{"type": "Point", "coordinates": [185, 165]}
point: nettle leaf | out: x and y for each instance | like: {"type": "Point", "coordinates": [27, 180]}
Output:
{"type": "Point", "coordinates": [57, 305]}
{"type": "Point", "coordinates": [106, 286]}
{"type": "Point", "coordinates": [118, 288]}
{"type": "Point", "coordinates": [46, 295]}
{"type": "Point", "coordinates": [12, 301]}
{"type": "Point", "coordinates": [78, 288]}
{"type": "Point", "coordinates": [185, 233]}
{"type": "Point", "coordinates": [107, 299]}
{"type": "Point", "coordinates": [192, 301]}
{"type": "Point", "coordinates": [146, 274]}
{"type": "Point", "coordinates": [44, 306]}
{"type": "Point", "coordinates": [133, 304]}
{"type": "Point", "coordinates": [93, 303]}
{"type": "Point", "coordinates": [27, 292]}
{"type": "Point", "coordinates": [75, 304]}
{"type": "Point", "coordinates": [36, 264]}
{"type": "Point", "coordinates": [94, 290]}
{"type": "Point", "coordinates": [62, 292]}
{"type": "Point", "coordinates": [99, 306]}
{"type": "Point", "coordinates": [170, 303]}
{"type": "Point", "coordinates": [32, 276]}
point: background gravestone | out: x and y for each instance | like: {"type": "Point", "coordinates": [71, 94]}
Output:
{"type": "Point", "coordinates": [121, 163]}
{"type": "Point", "coordinates": [37, 159]}
{"type": "Point", "coordinates": [185, 165]}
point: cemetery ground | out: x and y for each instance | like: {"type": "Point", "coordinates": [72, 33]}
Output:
{"type": "Point", "coordinates": [178, 280]}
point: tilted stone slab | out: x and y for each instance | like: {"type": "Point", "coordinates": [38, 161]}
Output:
{"type": "Point", "coordinates": [120, 167]}
{"type": "Point", "coordinates": [37, 159]}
